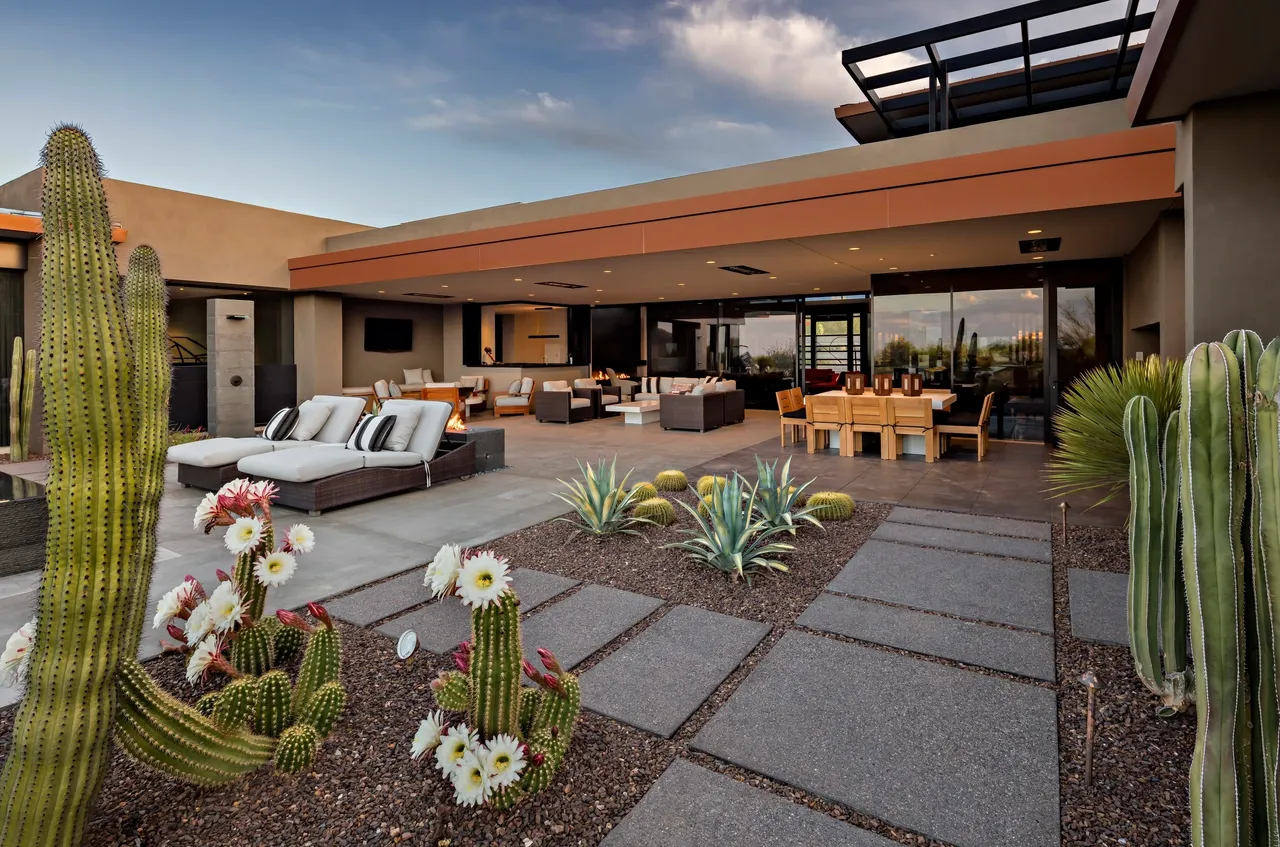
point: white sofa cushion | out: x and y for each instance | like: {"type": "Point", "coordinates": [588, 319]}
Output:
{"type": "Point", "coordinates": [413, 376]}
{"type": "Point", "coordinates": [433, 417]}
{"type": "Point", "coordinates": [407, 415]}
{"type": "Point", "coordinates": [585, 382]}
{"type": "Point", "coordinates": [726, 385]}
{"type": "Point", "coordinates": [511, 400]}
{"type": "Point", "coordinates": [579, 402]}
{"type": "Point", "coordinates": [303, 465]}
{"type": "Point", "coordinates": [556, 385]}
{"type": "Point", "coordinates": [665, 383]}
{"type": "Point", "coordinates": [610, 399]}
{"type": "Point", "coordinates": [642, 396]}
{"type": "Point", "coordinates": [312, 416]}
{"type": "Point", "coordinates": [389, 459]}
{"type": "Point", "coordinates": [216, 452]}
{"type": "Point", "coordinates": [346, 414]}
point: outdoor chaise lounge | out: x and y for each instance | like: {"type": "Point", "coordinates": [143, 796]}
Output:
{"type": "Point", "coordinates": [325, 476]}
{"type": "Point", "coordinates": [211, 463]}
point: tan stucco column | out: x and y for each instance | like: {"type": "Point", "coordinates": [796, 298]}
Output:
{"type": "Point", "coordinates": [317, 344]}
{"type": "Point", "coordinates": [1229, 169]}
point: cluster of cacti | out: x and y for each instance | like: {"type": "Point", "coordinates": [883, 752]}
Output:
{"type": "Point", "coordinates": [514, 737]}
{"type": "Point", "coordinates": [671, 480]}
{"type": "Point", "coordinates": [658, 510]}
{"type": "Point", "coordinates": [731, 537]}
{"type": "Point", "coordinates": [601, 504]}
{"type": "Point", "coordinates": [830, 506]}
{"type": "Point", "coordinates": [707, 483]}
{"type": "Point", "coordinates": [1157, 607]}
{"type": "Point", "coordinates": [778, 500]}
{"type": "Point", "coordinates": [642, 491]}
{"type": "Point", "coordinates": [22, 392]}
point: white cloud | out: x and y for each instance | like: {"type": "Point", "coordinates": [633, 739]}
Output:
{"type": "Point", "coordinates": [522, 108]}
{"type": "Point", "coordinates": [769, 46]}
{"type": "Point", "coordinates": [712, 126]}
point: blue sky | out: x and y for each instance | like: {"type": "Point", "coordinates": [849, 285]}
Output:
{"type": "Point", "coordinates": [386, 111]}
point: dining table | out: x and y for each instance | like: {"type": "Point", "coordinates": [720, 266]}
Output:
{"type": "Point", "coordinates": [911, 444]}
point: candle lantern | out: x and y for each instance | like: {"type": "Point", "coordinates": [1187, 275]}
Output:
{"type": "Point", "coordinates": [883, 385]}
{"type": "Point", "coordinates": [855, 382]}
{"type": "Point", "coordinates": [912, 385]}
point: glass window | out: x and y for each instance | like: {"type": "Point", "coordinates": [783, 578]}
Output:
{"type": "Point", "coordinates": [912, 334]}
{"type": "Point", "coordinates": [760, 337]}
{"type": "Point", "coordinates": [685, 338]}
{"type": "Point", "coordinates": [1000, 348]}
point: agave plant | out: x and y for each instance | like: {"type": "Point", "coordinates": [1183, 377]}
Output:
{"type": "Point", "coordinates": [601, 503]}
{"type": "Point", "coordinates": [776, 497]}
{"type": "Point", "coordinates": [732, 538]}
{"type": "Point", "coordinates": [1091, 451]}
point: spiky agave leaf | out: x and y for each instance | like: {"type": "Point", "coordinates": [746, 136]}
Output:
{"type": "Point", "coordinates": [601, 504]}
{"type": "Point", "coordinates": [777, 495]}
{"type": "Point", "coordinates": [731, 538]}
{"type": "Point", "coordinates": [1091, 452]}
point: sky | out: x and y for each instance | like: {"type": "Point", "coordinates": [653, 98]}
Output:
{"type": "Point", "coordinates": [390, 110]}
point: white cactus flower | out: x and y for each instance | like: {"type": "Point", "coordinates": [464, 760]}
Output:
{"type": "Point", "coordinates": [226, 607]}
{"type": "Point", "coordinates": [457, 742]}
{"type": "Point", "coordinates": [207, 510]}
{"type": "Point", "coordinates": [503, 759]}
{"type": "Point", "coordinates": [199, 623]}
{"type": "Point", "coordinates": [300, 538]}
{"type": "Point", "coordinates": [243, 535]}
{"type": "Point", "coordinates": [199, 661]}
{"type": "Point", "coordinates": [275, 569]}
{"type": "Point", "coordinates": [167, 608]}
{"type": "Point", "coordinates": [443, 570]}
{"type": "Point", "coordinates": [483, 580]}
{"type": "Point", "coordinates": [428, 735]}
{"type": "Point", "coordinates": [17, 652]}
{"type": "Point", "coordinates": [471, 784]}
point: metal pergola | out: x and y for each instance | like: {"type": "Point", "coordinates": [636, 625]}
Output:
{"type": "Point", "coordinates": [942, 102]}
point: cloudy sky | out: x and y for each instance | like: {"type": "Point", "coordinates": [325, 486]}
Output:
{"type": "Point", "coordinates": [391, 110]}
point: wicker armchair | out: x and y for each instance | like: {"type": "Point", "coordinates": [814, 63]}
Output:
{"type": "Point", "coordinates": [560, 405]}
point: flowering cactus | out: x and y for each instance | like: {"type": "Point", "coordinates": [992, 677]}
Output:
{"type": "Point", "coordinates": [514, 737]}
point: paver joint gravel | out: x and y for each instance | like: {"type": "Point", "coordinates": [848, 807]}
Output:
{"type": "Point", "coordinates": [578, 626]}
{"type": "Point", "coordinates": [690, 805]}
{"type": "Point", "coordinates": [972, 523]}
{"type": "Point", "coordinates": [965, 542]}
{"type": "Point", "coordinates": [659, 678]}
{"type": "Point", "coordinates": [1099, 605]}
{"type": "Point", "coordinates": [1008, 591]}
{"type": "Point", "coordinates": [963, 757]}
{"type": "Point", "coordinates": [1012, 651]}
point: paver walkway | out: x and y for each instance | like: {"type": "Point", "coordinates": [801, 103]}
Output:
{"type": "Point", "coordinates": [1099, 603]}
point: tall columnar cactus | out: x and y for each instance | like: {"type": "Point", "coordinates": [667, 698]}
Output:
{"type": "Point", "coordinates": [514, 737]}
{"type": "Point", "coordinates": [63, 726]}
{"type": "Point", "coordinates": [1230, 493]}
{"type": "Point", "coordinates": [22, 392]}
{"type": "Point", "coordinates": [1157, 607]}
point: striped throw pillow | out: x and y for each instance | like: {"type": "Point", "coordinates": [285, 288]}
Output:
{"type": "Point", "coordinates": [281, 425]}
{"type": "Point", "coordinates": [371, 433]}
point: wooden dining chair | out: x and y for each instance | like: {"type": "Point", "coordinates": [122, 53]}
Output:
{"type": "Point", "coordinates": [791, 415]}
{"type": "Point", "coordinates": [868, 413]}
{"type": "Point", "coordinates": [912, 416]}
{"type": "Point", "coordinates": [968, 429]}
{"type": "Point", "coordinates": [825, 415]}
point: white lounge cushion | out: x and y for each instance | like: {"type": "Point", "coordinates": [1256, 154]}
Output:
{"type": "Point", "coordinates": [303, 465]}
{"type": "Point", "coordinates": [526, 385]}
{"type": "Point", "coordinates": [407, 417]}
{"type": "Point", "coordinates": [433, 418]}
{"type": "Point", "coordinates": [726, 385]}
{"type": "Point", "coordinates": [413, 376]}
{"type": "Point", "coordinates": [585, 382]}
{"type": "Point", "coordinates": [610, 399]}
{"type": "Point", "coordinates": [216, 452]}
{"type": "Point", "coordinates": [474, 400]}
{"type": "Point", "coordinates": [312, 416]}
{"type": "Point", "coordinates": [442, 385]}
{"type": "Point", "coordinates": [579, 402]}
{"type": "Point", "coordinates": [664, 384]}
{"type": "Point", "coordinates": [645, 396]}
{"type": "Point", "coordinates": [556, 385]}
{"type": "Point", "coordinates": [389, 459]}
{"type": "Point", "coordinates": [511, 400]}
{"type": "Point", "coordinates": [346, 414]}
{"type": "Point", "coordinates": [700, 388]}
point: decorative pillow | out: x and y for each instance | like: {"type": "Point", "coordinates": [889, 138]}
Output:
{"type": "Point", "coordinates": [371, 433]}
{"type": "Point", "coordinates": [700, 389]}
{"type": "Point", "coordinates": [649, 385]}
{"type": "Point", "coordinates": [514, 388]}
{"type": "Point", "coordinates": [394, 389]}
{"type": "Point", "coordinates": [311, 417]}
{"type": "Point", "coordinates": [426, 375]}
{"type": "Point", "coordinates": [406, 417]}
{"type": "Point", "coordinates": [281, 424]}
{"type": "Point", "coordinates": [681, 388]}
{"type": "Point", "coordinates": [413, 376]}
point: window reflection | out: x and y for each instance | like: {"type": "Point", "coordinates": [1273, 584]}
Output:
{"type": "Point", "coordinates": [912, 336]}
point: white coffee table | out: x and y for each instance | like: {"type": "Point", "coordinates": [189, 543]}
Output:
{"type": "Point", "coordinates": [637, 413]}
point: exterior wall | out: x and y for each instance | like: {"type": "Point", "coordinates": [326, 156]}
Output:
{"type": "Point", "coordinates": [451, 342]}
{"type": "Point", "coordinates": [317, 328]}
{"type": "Point", "coordinates": [360, 367]}
{"type": "Point", "coordinates": [201, 239]}
{"type": "Point", "coordinates": [1231, 187]}
{"type": "Point", "coordinates": [230, 328]}
{"type": "Point", "coordinates": [1034, 129]}
{"type": "Point", "coordinates": [1154, 297]}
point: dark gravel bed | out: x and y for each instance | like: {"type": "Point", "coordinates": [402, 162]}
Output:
{"type": "Point", "coordinates": [640, 564]}
{"type": "Point", "coordinates": [1093, 548]}
{"type": "Point", "coordinates": [1140, 762]}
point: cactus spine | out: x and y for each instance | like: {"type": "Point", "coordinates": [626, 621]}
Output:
{"type": "Point", "coordinates": [831, 506]}
{"type": "Point", "coordinates": [63, 727]}
{"type": "Point", "coordinates": [495, 667]}
{"type": "Point", "coordinates": [22, 392]}
{"type": "Point", "coordinates": [643, 491]}
{"type": "Point", "coordinates": [657, 509]}
{"type": "Point", "coordinates": [671, 481]}
{"type": "Point", "coordinates": [1157, 609]}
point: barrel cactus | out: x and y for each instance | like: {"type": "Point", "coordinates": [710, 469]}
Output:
{"type": "Point", "coordinates": [22, 388]}
{"type": "Point", "coordinates": [657, 509]}
{"type": "Point", "coordinates": [706, 483]}
{"type": "Point", "coordinates": [514, 737]}
{"type": "Point", "coordinates": [643, 491]}
{"type": "Point", "coordinates": [671, 480]}
{"type": "Point", "coordinates": [831, 506]}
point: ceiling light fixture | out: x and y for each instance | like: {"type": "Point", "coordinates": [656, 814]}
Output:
{"type": "Point", "coordinates": [444, 286]}
{"type": "Point", "coordinates": [1037, 258]}
{"type": "Point", "coordinates": [773, 277]}
{"type": "Point", "coordinates": [598, 290]}
{"type": "Point", "coordinates": [1034, 231]}
{"type": "Point", "coordinates": [470, 299]}
{"type": "Point", "coordinates": [681, 284]}
{"type": "Point", "coordinates": [608, 272]}
{"type": "Point", "coordinates": [855, 248]}
{"type": "Point", "coordinates": [662, 298]}
{"type": "Point", "coordinates": [817, 289]}
{"type": "Point", "coordinates": [380, 291]}
{"type": "Point", "coordinates": [893, 267]}
{"type": "Point", "coordinates": [933, 254]}
{"type": "Point", "coordinates": [735, 294]}
{"type": "Point", "coordinates": [711, 261]}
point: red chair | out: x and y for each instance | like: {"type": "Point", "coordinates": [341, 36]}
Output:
{"type": "Point", "coordinates": [817, 380]}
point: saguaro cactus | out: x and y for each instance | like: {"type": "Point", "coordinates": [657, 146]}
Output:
{"type": "Point", "coordinates": [63, 726]}
{"type": "Point", "coordinates": [1157, 608]}
{"type": "Point", "coordinates": [22, 392]}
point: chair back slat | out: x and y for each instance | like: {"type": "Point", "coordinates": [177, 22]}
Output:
{"type": "Point", "coordinates": [913, 412]}
{"type": "Point", "coordinates": [985, 417]}
{"type": "Point", "coordinates": [827, 410]}
{"type": "Point", "coordinates": [786, 403]}
{"type": "Point", "coordinates": [867, 410]}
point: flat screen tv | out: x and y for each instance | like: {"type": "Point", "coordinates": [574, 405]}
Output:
{"type": "Point", "coordinates": [388, 335]}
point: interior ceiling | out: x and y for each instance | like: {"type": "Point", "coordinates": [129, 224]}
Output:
{"type": "Point", "coordinates": [801, 266]}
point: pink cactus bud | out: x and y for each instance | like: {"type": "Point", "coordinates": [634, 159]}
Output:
{"type": "Point", "coordinates": [437, 684]}
{"type": "Point", "coordinates": [222, 575]}
{"type": "Point", "coordinates": [531, 672]}
{"type": "Point", "coordinates": [292, 619]}
{"type": "Point", "coordinates": [549, 660]}
{"type": "Point", "coordinates": [169, 647]}
{"type": "Point", "coordinates": [463, 661]}
{"type": "Point", "coordinates": [176, 633]}
{"type": "Point", "coordinates": [555, 731]}
{"type": "Point", "coordinates": [220, 663]}
{"type": "Point", "coordinates": [538, 759]}
{"type": "Point", "coordinates": [318, 612]}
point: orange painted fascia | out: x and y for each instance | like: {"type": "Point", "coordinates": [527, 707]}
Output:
{"type": "Point", "coordinates": [1124, 143]}
{"type": "Point", "coordinates": [35, 226]}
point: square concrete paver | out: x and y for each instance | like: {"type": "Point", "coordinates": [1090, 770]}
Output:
{"type": "Point", "coordinates": [443, 625]}
{"type": "Point", "coordinates": [986, 588]}
{"type": "Point", "coordinates": [578, 626]}
{"type": "Point", "coordinates": [1010, 650]}
{"type": "Point", "coordinates": [372, 604]}
{"type": "Point", "coordinates": [959, 756]}
{"type": "Point", "coordinates": [659, 678]}
{"type": "Point", "coordinates": [965, 542]}
{"type": "Point", "coordinates": [1099, 605]}
{"type": "Point", "coordinates": [972, 523]}
{"type": "Point", "coordinates": [690, 806]}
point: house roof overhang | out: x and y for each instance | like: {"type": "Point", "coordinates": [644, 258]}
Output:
{"type": "Point", "coordinates": [28, 226]}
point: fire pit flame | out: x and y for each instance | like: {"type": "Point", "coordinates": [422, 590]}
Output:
{"type": "Point", "coordinates": [456, 423]}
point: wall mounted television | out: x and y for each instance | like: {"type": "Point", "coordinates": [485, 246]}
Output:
{"type": "Point", "coordinates": [388, 335]}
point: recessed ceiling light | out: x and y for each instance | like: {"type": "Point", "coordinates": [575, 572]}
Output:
{"type": "Point", "coordinates": [444, 286]}
{"type": "Point", "coordinates": [1037, 258]}
{"type": "Point", "coordinates": [817, 289]}
{"type": "Point", "coordinates": [882, 258]}
{"type": "Point", "coordinates": [933, 254]}
{"type": "Point", "coordinates": [608, 272]}
{"type": "Point", "coordinates": [711, 261]}
{"type": "Point", "coordinates": [597, 301]}
{"type": "Point", "coordinates": [855, 248]}
{"type": "Point", "coordinates": [681, 284]}
{"type": "Point", "coordinates": [598, 290]}
{"type": "Point", "coordinates": [471, 298]}
{"type": "Point", "coordinates": [530, 295]}
{"type": "Point", "coordinates": [662, 298]}
{"type": "Point", "coordinates": [735, 294]}
{"type": "Point", "coordinates": [518, 279]}
{"type": "Point", "coordinates": [773, 277]}
{"type": "Point", "coordinates": [1034, 231]}
{"type": "Point", "coordinates": [182, 289]}
{"type": "Point", "coordinates": [380, 291]}
{"type": "Point", "coordinates": [893, 267]}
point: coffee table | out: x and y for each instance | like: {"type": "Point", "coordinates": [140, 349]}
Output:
{"type": "Point", "coordinates": [637, 413]}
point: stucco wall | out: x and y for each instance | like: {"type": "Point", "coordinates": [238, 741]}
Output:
{"type": "Point", "coordinates": [360, 367]}
{"type": "Point", "coordinates": [1154, 290]}
{"type": "Point", "coordinates": [317, 331]}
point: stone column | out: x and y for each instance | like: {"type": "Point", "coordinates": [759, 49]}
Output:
{"type": "Point", "coordinates": [317, 344]}
{"type": "Point", "coordinates": [230, 344]}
